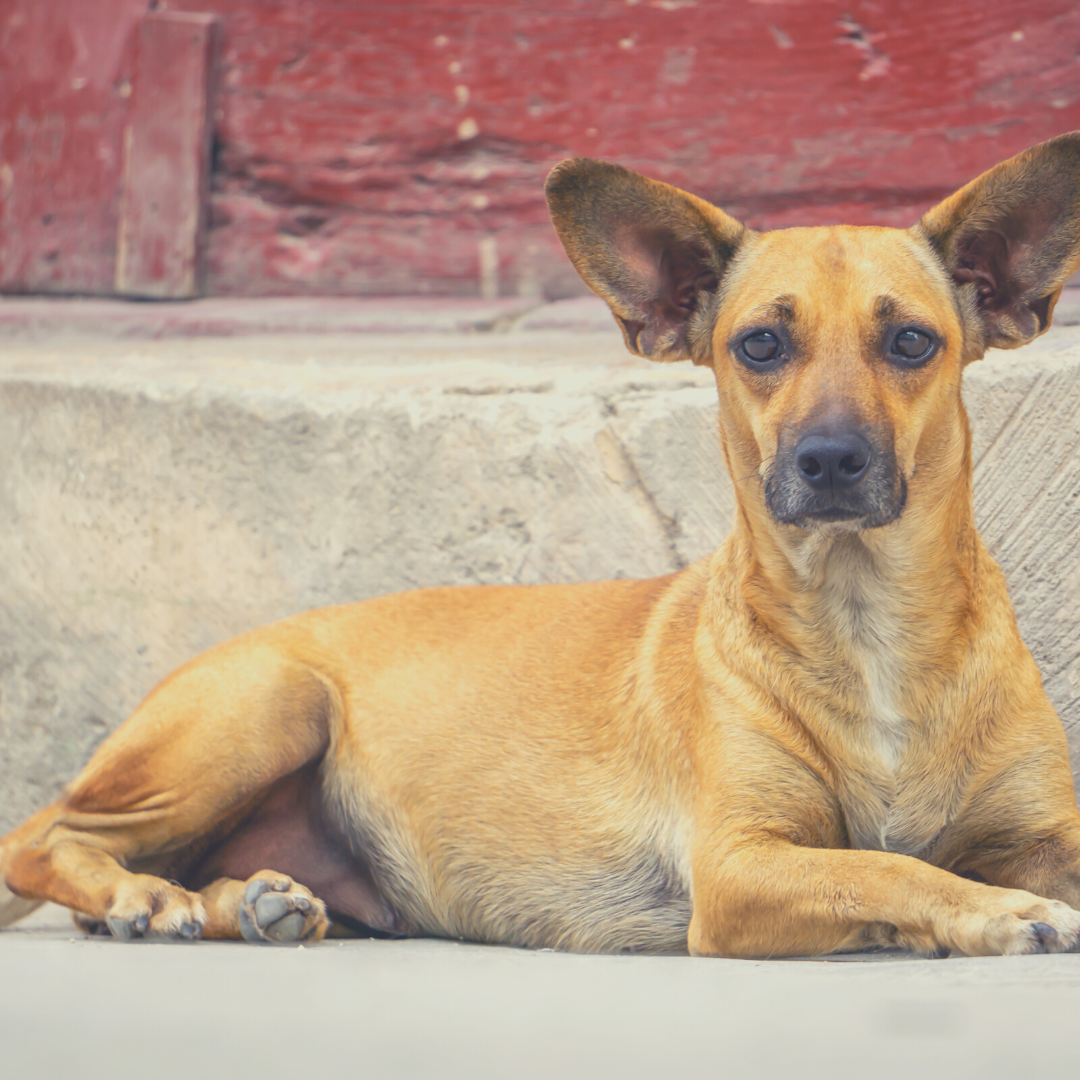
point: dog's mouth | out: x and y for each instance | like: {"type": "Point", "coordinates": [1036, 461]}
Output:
{"type": "Point", "coordinates": [879, 500]}
{"type": "Point", "coordinates": [831, 514]}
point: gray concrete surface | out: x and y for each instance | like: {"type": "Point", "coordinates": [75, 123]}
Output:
{"type": "Point", "coordinates": [160, 495]}
{"type": "Point", "coordinates": [36, 317]}
{"type": "Point", "coordinates": [86, 1008]}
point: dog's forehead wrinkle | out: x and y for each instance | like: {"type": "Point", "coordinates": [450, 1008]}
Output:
{"type": "Point", "coordinates": [843, 280]}
{"type": "Point", "coordinates": [885, 307]}
{"type": "Point", "coordinates": [781, 310]}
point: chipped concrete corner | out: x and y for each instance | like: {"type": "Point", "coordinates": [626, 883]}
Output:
{"type": "Point", "coordinates": [157, 497]}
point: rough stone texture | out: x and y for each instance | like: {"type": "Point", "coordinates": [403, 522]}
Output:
{"type": "Point", "coordinates": [1025, 413]}
{"type": "Point", "coordinates": [159, 496]}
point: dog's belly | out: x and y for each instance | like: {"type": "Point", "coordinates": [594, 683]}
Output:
{"type": "Point", "coordinates": [515, 877]}
{"type": "Point", "coordinates": [598, 894]}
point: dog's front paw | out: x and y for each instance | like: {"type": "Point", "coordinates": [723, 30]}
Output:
{"type": "Point", "coordinates": [1028, 924]}
{"type": "Point", "coordinates": [276, 909]}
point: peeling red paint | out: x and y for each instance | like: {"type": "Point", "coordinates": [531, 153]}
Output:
{"type": "Point", "coordinates": [383, 147]}
{"type": "Point", "coordinates": [65, 82]}
{"type": "Point", "coordinates": [875, 63]}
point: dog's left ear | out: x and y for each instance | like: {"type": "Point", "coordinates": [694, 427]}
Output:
{"type": "Point", "coordinates": [653, 252]}
{"type": "Point", "coordinates": [1011, 237]}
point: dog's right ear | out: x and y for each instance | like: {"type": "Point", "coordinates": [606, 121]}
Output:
{"type": "Point", "coordinates": [653, 252]}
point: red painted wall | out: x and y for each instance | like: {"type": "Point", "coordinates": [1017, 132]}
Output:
{"type": "Point", "coordinates": [65, 84]}
{"type": "Point", "coordinates": [396, 147]}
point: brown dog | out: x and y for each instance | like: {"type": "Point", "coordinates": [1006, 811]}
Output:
{"type": "Point", "coordinates": [813, 740]}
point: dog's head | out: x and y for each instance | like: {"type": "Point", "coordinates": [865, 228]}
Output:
{"type": "Point", "coordinates": [837, 351]}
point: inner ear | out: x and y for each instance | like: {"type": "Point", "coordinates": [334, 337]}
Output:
{"type": "Point", "coordinates": [1009, 271]}
{"type": "Point", "coordinates": [1013, 236]}
{"type": "Point", "coordinates": [654, 253]}
{"type": "Point", "coordinates": [673, 277]}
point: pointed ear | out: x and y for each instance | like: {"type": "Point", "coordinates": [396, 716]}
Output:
{"type": "Point", "coordinates": [654, 253]}
{"type": "Point", "coordinates": [1011, 238]}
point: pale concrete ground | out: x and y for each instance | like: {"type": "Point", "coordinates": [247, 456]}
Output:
{"type": "Point", "coordinates": [160, 493]}
{"type": "Point", "coordinates": [75, 1007]}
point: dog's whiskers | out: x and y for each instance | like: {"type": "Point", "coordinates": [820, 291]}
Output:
{"type": "Point", "coordinates": [756, 472]}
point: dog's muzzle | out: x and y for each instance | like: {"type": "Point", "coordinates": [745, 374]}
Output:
{"type": "Point", "coordinates": [823, 478]}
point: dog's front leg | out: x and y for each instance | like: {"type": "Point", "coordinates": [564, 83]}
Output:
{"type": "Point", "coordinates": [1021, 828]}
{"type": "Point", "coordinates": [775, 898]}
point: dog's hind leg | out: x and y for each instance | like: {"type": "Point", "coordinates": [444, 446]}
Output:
{"type": "Point", "coordinates": [12, 907]}
{"type": "Point", "coordinates": [185, 768]}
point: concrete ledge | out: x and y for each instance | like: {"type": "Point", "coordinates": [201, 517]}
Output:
{"type": "Point", "coordinates": [581, 315]}
{"type": "Point", "coordinates": [39, 317]}
{"type": "Point", "coordinates": [157, 497]}
{"type": "Point", "coordinates": [43, 318]}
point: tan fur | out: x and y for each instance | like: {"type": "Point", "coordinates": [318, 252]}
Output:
{"type": "Point", "coordinates": [795, 746]}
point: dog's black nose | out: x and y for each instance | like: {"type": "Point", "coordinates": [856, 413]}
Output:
{"type": "Point", "coordinates": [830, 462]}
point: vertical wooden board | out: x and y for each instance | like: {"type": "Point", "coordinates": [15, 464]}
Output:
{"type": "Point", "coordinates": [65, 89]}
{"type": "Point", "coordinates": [167, 150]}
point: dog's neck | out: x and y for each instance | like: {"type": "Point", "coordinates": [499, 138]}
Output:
{"type": "Point", "coordinates": [861, 628]}
{"type": "Point", "coordinates": [889, 605]}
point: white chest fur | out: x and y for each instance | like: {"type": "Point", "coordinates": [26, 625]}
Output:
{"type": "Point", "coordinates": [862, 615]}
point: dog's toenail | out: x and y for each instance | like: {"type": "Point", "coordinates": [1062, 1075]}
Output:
{"type": "Point", "coordinates": [142, 923]}
{"type": "Point", "coordinates": [1044, 932]}
{"type": "Point", "coordinates": [254, 890]}
{"type": "Point", "coordinates": [282, 885]}
{"type": "Point", "coordinates": [121, 928]}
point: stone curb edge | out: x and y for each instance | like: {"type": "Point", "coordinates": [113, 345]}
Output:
{"type": "Point", "coordinates": [36, 317]}
{"type": "Point", "coordinates": [26, 317]}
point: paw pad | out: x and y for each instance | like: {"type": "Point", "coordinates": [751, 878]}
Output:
{"type": "Point", "coordinates": [274, 909]}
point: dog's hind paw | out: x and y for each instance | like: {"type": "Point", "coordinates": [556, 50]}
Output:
{"type": "Point", "coordinates": [90, 926]}
{"type": "Point", "coordinates": [276, 909]}
{"type": "Point", "coordinates": [149, 908]}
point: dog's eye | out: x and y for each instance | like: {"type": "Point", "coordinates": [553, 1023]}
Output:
{"type": "Point", "coordinates": [761, 347]}
{"type": "Point", "coordinates": [913, 345]}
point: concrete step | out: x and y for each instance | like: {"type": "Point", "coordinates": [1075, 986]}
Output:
{"type": "Point", "coordinates": [42, 318]}
{"type": "Point", "coordinates": [160, 495]}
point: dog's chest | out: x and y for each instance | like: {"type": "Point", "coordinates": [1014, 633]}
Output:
{"type": "Point", "coordinates": [887, 805]}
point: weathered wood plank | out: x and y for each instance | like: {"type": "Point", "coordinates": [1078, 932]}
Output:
{"type": "Point", "coordinates": [161, 236]}
{"type": "Point", "coordinates": [65, 86]}
{"type": "Point", "coordinates": [374, 147]}
{"type": "Point", "coordinates": [370, 147]}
